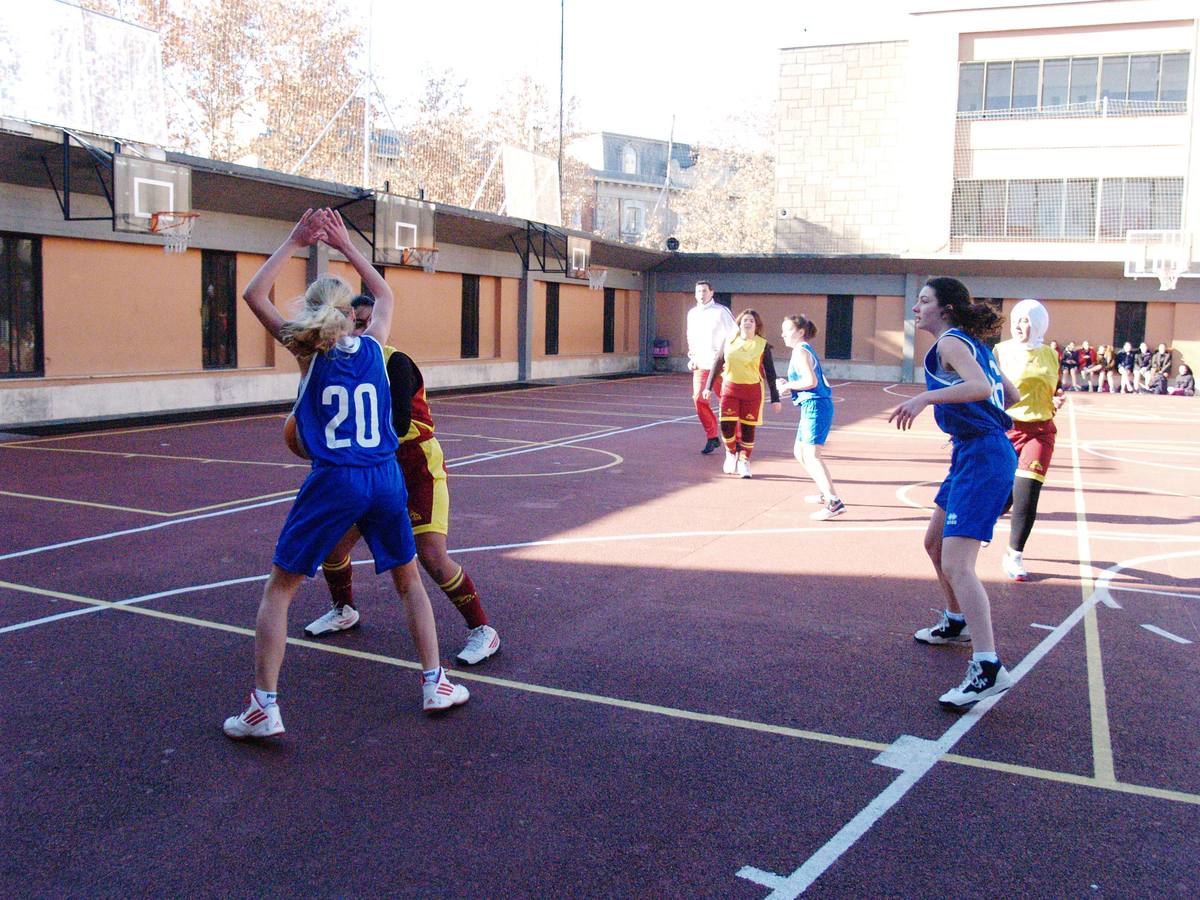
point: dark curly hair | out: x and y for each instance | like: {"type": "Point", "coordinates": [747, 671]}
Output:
{"type": "Point", "coordinates": [978, 320]}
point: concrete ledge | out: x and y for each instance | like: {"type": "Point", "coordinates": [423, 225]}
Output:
{"type": "Point", "coordinates": [576, 366]}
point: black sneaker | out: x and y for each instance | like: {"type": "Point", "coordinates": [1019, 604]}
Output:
{"type": "Point", "coordinates": [984, 679]}
{"type": "Point", "coordinates": [710, 445]}
{"type": "Point", "coordinates": [946, 631]}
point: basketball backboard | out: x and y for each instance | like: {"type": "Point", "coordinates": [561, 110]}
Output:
{"type": "Point", "coordinates": [531, 186]}
{"type": "Point", "coordinates": [73, 68]}
{"type": "Point", "coordinates": [402, 225]}
{"type": "Point", "coordinates": [1165, 255]}
{"type": "Point", "coordinates": [143, 187]}
{"type": "Point", "coordinates": [579, 256]}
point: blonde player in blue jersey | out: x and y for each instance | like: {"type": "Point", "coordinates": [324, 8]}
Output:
{"type": "Point", "coordinates": [344, 421]}
{"type": "Point", "coordinates": [969, 396]}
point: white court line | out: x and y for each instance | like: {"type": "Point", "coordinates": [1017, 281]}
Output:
{"type": "Point", "coordinates": [1041, 626]}
{"type": "Point", "coordinates": [549, 542]}
{"type": "Point", "coordinates": [791, 886]}
{"type": "Point", "coordinates": [553, 444]}
{"type": "Point", "coordinates": [1161, 633]}
{"type": "Point", "coordinates": [1155, 592]}
{"type": "Point", "coordinates": [888, 390]}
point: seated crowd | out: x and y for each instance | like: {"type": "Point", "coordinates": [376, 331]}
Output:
{"type": "Point", "coordinates": [1124, 371]}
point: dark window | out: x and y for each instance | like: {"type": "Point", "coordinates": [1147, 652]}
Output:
{"type": "Point", "coordinates": [1025, 84]}
{"type": "Point", "coordinates": [362, 285]}
{"type": "Point", "coordinates": [218, 308]}
{"type": "Point", "coordinates": [970, 87]}
{"type": "Point", "coordinates": [1173, 86]}
{"type": "Point", "coordinates": [998, 93]}
{"type": "Point", "coordinates": [1083, 79]}
{"type": "Point", "coordinates": [1143, 77]}
{"type": "Point", "coordinates": [1055, 75]}
{"type": "Point", "coordinates": [21, 305]}
{"type": "Point", "coordinates": [470, 317]}
{"type": "Point", "coordinates": [1129, 323]}
{"type": "Point", "coordinates": [839, 326]}
{"type": "Point", "coordinates": [1114, 77]}
{"type": "Point", "coordinates": [551, 318]}
{"type": "Point", "coordinates": [724, 298]}
{"type": "Point", "coordinates": [610, 320]}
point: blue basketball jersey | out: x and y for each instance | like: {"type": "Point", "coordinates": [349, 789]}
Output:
{"type": "Point", "coordinates": [822, 390]}
{"type": "Point", "coordinates": [967, 420]}
{"type": "Point", "coordinates": [344, 409]}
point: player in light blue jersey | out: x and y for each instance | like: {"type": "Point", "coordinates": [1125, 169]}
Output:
{"type": "Point", "coordinates": [969, 395]}
{"type": "Point", "coordinates": [343, 417]}
{"type": "Point", "coordinates": [812, 394]}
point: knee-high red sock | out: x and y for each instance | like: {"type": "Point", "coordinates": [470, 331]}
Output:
{"type": "Point", "coordinates": [339, 577]}
{"type": "Point", "coordinates": [729, 432]}
{"type": "Point", "coordinates": [747, 440]}
{"type": "Point", "coordinates": [461, 591]}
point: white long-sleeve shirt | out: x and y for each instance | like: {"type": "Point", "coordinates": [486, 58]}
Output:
{"type": "Point", "coordinates": [707, 328]}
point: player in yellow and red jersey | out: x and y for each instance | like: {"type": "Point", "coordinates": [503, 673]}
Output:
{"type": "Point", "coordinates": [423, 466]}
{"type": "Point", "coordinates": [1033, 368]}
{"type": "Point", "coordinates": [744, 364]}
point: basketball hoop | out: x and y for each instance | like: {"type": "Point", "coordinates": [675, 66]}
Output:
{"type": "Point", "coordinates": [424, 258]}
{"type": "Point", "coordinates": [1164, 255]}
{"type": "Point", "coordinates": [596, 277]}
{"type": "Point", "coordinates": [175, 228]}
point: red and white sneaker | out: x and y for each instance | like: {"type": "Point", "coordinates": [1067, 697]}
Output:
{"type": "Point", "coordinates": [482, 642]}
{"type": "Point", "coordinates": [255, 721]}
{"type": "Point", "coordinates": [441, 694]}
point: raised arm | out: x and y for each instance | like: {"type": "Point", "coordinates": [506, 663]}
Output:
{"type": "Point", "coordinates": [258, 292]}
{"type": "Point", "coordinates": [337, 236]}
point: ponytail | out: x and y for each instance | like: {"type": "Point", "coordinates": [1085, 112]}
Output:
{"type": "Point", "coordinates": [322, 318]}
{"type": "Point", "coordinates": [804, 325]}
{"type": "Point", "coordinates": [978, 320]}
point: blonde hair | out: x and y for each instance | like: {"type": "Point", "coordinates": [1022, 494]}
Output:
{"type": "Point", "coordinates": [323, 315]}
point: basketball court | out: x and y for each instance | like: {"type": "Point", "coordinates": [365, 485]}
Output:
{"type": "Point", "coordinates": [700, 691]}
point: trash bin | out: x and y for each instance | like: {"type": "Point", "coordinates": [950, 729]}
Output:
{"type": "Point", "coordinates": [661, 354]}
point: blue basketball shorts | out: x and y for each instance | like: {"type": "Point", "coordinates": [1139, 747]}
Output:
{"type": "Point", "coordinates": [332, 499]}
{"type": "Point", "coordinates": [816, 418]}
{"type": "Point", "coordinates": [977, 486]}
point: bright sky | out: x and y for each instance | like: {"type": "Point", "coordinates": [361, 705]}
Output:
{"type": "Point", "coordinates": [632, 63]}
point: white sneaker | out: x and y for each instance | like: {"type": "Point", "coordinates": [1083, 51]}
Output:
{"type": "Point", "coordinates": [482, 642]}
{"type": "Point", "coordinates": [1013, 566]}
{"type": "Point", "coordinates": [255, 721]}
{"type": "Point", "coordinates": [743, 467]}
{"type": "Point", "coordinates": [984, 679]}
{"type": "Point", "coordinates": [816, 498]}
{"type": "Point", "coordinates": [832, 509]}
{"type": "Point", "coordinates": [441, 694]}
{"type": "Point", "coordinates": [337, 619]}
{"type": "Point", "coordinates": [731, 460]}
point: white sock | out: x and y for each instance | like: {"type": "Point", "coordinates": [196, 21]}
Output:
{"type": "Point", "coordinates": [985, 657]}
{"type": "Point", "coordinates": [431, 676]}
{"type": "Point", "coordinates": [1014, 555]}
{"type": "Point", "coordinates": [265, 698]}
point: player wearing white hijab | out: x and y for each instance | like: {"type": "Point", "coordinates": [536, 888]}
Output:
{"type": "Point", "coordinates": [1033, 368]}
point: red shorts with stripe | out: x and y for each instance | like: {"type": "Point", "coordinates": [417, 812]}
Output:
{"type": "Point", "coordinates": [742, 403]}
{"type": "Point", "coordinates": [424, 470]}
{"type": "Point", "coordinates": [1034, 443]}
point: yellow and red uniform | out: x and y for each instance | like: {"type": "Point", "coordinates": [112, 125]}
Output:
{"type": "Point", "coordinates": [1034, 373]}
{"type": "Point", "coordinates": [748, 363]}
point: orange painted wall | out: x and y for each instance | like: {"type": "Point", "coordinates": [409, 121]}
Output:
{"type": "Point", "coordinates": [1078, 321]}
{"type": "Point", "coordinates": [94, 292]}
{"type": "Point", "coordinates": [862, 344]}
{"type": "Point", "coordinates": [580, 321]}
{"type": "Point", "coordinates": [888, 340]}
{"type": "Point", "coordinates": [1187, 344]}
{"type": "Point", "coordinates": [1160, 324]}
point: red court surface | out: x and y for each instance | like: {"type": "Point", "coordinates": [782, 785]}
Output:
{"type": "Point", "coordinates": [700, 692]}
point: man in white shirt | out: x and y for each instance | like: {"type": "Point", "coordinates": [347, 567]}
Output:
{"type": "Point", "coordinates": [709, 324]}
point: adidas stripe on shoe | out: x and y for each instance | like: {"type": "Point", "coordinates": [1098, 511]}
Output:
{"type": "Point", "coordinates": [255, 721]}
{"type": "Point", "coordinates": [441, 694]}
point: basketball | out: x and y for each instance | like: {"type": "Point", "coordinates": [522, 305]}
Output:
{"type": "Point", "coordinates": [292, 438]}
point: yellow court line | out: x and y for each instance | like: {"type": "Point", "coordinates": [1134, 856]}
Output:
{"type": "Point", "coordinates": [161, 456]}
{"type": "Point", "coordinates": [139, 430]}
{"type": "Point", "coordinates": [147, 512]}
{"type": "Point", "coordinates": [1102, 751]}
{"type": "Point", "coordinates": [633, 705]}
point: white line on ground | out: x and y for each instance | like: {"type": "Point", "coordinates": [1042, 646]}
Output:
{"type": "Point", "coordinates": [1162, 633]}
{"type": "Point", "coordinates": [1041, 626]}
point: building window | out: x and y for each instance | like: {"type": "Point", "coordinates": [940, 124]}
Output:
{"type": "Point", "coordinates": [633, 220]}
{"type": "Point", "coordinates": [610, 320]}
{"type": "Point", "coordinates": [551, 318]}
{"type": "Point", "coordinates": [21, 305]}
{"type": "Point", "coordinates": [629, 160]}
{"type": "Point", "coordinates": [1050, 209]}
{"type": "Point", "coordinates": [470, 317]}
{"type": "Point", "coordinates": [218, 308]}
{"type": "Point", "coordinates": [1114, 85]}
{"type": "Point", "coordinates": [725, 299]}
{"type": "Point", "coordinates": [839, 326]}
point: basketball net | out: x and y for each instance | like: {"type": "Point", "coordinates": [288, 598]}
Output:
{"type": "Point", "coordinates": [175, 228]}
{"type": "Point", "coordinates": [423, 257]}
{"type": "Point", "coordinates": [596, 277]}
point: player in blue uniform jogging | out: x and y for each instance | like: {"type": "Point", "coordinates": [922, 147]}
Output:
{"type": "Point", "coordinates": [344, 421]}
{"type": "Point", "coordinates": [969, 396]}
